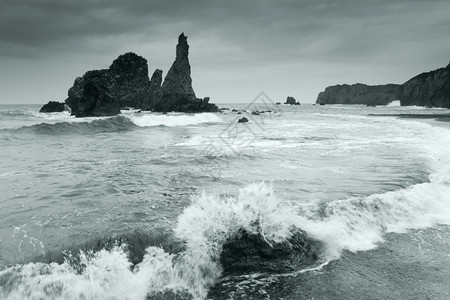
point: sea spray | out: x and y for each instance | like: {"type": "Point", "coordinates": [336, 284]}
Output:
{"type": "Point", "coordinates": [204, 227]}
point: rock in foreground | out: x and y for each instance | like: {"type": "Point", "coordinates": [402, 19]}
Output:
{"type": "Point", "coordinates": [252, 253]}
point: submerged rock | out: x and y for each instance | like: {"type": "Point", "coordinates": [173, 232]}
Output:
{"type": "Point", "coordinates": [252, 253]}
{"type": "Point", "coordinates": [291, 101]}
{"type": "Point", "coordinates": [53, 106]}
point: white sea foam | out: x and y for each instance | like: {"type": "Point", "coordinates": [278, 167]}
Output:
{"type": "Point", "coordinates": [204, 227]}
{"type": "Point", "coordinates": [394, 103]}
{"type": "Point", "coordinates": [174, 119]}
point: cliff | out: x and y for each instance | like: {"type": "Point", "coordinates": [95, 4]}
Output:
{"type": "Point", "coordinates": [431, 89]}
{"type": "Point", "coordinates": [359, 94]}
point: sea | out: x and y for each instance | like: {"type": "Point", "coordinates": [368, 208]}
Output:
{"type": "Point", "coordinates": [139, 205]}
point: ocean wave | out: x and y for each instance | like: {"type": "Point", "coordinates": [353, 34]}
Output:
{"type": "Point", "coordinates": [203, 229]}
{"type": "Point", "coordinates": [118, 123]}
{"type": "Point", "coordinates": [113, 124]}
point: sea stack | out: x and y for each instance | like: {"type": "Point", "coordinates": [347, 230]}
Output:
{"type": "Point", "coordinates": [291, 101]}
{"type": "Point", "coordinates": [177, 92]}
{"type": "Point", "coordinates": [125, 84]}
{"type": "Point", "coordinates": [153, 93]}
{"type": "Point", "coordinates": [105, 92]}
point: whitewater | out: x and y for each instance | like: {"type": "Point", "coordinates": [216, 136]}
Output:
{"type": "Point", "coordinates": [140, 205]}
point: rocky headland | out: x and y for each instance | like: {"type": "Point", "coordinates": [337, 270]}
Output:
{"type": "Point", "coordinates": [126, 84]}
{"type": "Point", "coordinates": [430, 89]}
{"type": "Point", "coordinates": [359, 94]}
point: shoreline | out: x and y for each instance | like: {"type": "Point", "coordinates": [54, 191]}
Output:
{"type": "Point", "coordinates": [441, 120]}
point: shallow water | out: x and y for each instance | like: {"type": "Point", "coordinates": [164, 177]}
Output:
{"type": "Point", "coordinates": [373, 191]}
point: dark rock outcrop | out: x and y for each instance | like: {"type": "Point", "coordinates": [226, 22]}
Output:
{"type": "Point", "coordinates": [359, 94]}
{"type": "Point", "coordinates": [104, 92]}
{"type": "Point", "coordinates": [177, 92]}
{"type": "Point", "coordinates": [53, 106]}
{"type": "Point", "coordinates": [243, 120]}
{"type": "Point", "coordinates": [291, 101]}
{"type": "Point", "coordinates": [430, 89]}
{"type": "Point", "coordinates": [252, 253]}
{"type": "Point", "coordinates": [125, 84]}
{"type": "Point", "coordinates": [153, 94]}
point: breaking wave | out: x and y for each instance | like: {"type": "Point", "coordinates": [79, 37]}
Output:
{"type": "Point", "coordinates": [204, 228]}
{"type": "Point", "coordinates": [70, 125]}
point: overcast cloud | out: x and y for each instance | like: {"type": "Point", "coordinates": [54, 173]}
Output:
{"type": "Point", "coordinates": [237, 48]}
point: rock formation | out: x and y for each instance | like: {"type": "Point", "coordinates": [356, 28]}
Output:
{"type": "Point", "coordinates": [53, 106]}
{"type": "Point", "coordinates": [177, 92]}
{"type": "Point", "coordinates": [153, 92]}
{"type": "Point", "coordinates": [359, 94]}
{"type": "Point", "coordinates": [251, 253]}
{"type": "Point", "coordinates": [431, 89]}
{"type": "Point", "coordinates": [126, 84]}
{"type": "Point", "coordinates": [291, 101]}
{"type": "Point", "coordinates": [104, 92]}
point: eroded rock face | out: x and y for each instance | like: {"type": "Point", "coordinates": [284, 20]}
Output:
{"type": "Point", "coordinates": [125, 84]}
{"type": "Point", "coordinates": [104, 92]}
{"type": "Point", "coordinates": [178, 82]}
{"type": "Point", "coordinates": [153, 93]}
{"type": "Point", "coordinates": [252, 253]}
{"type": "Point", "coordinates": [430, 89]}
{"type": "Point", "coordinates": [177, 93]}
{"type": "Point", "coordinates": [359, 94]}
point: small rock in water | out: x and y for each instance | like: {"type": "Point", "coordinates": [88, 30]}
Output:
{"type": "Point", "coordinates": [53, 106]}
{"type": "Point", "coordinates": [243, 120]}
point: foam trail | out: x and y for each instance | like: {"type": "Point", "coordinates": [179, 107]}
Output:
{"type": "Point", "coordinates": [174, 119]}
{"type": "Point", "coordinates": [358, 224]}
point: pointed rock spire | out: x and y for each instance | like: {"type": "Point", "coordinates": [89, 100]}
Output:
{"type": "Point", "coordinates": [178, 83]}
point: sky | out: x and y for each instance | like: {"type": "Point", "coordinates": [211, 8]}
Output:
{"type": "Point", "coordinates": [237, 48]}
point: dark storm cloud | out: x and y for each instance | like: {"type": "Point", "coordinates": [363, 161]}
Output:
{"type": "Point", "coordinates": [276, 43]}
{"type": "Point", "coordinates": [277, 28]}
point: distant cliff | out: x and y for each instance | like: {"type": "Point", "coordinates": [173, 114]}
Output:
{"type": "Point", "coordinates": [359, 94]}
{"type": "Point", "coordinates": [430, 89]}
